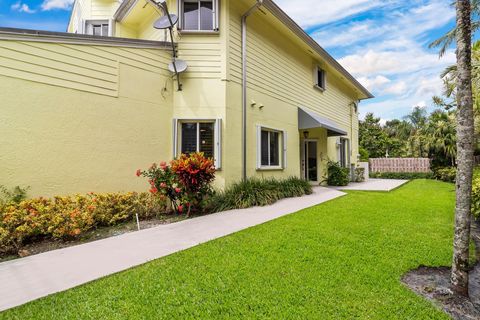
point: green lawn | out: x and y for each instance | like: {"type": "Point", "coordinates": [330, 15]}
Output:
{"type": "Point", "coordinates": [339, 260]}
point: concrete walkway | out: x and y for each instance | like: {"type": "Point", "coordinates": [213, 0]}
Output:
{"type": "Point", "coordinates": [30, 278]}
{"type": "Point", "coordinates": [374, 185]}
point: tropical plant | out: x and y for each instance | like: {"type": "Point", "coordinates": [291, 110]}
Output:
{"type": "Point", "coordinates": [447, 40]}
{"type": "Point", "coordinates": [68, 217]}
{"type": "Point", "coordinates": [465, 149]}
{"type": "Point", "coordinates": [185, 181]}
{"type": "Point", "coordinates": [257, 192]}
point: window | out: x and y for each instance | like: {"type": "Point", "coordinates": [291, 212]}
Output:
{"type": "Point", "coordinates": [198, 136]}
{"type": "Point", "coordinates": [98, 28]}
{"type": "Point", "coordinates": [320, 78]}
{"type": "Point", "coordinates": [198, 15]}
{"type": "Point", "coordinates": [271, 148]}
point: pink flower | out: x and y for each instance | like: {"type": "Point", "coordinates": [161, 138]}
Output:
{"type": "Point", "coordinates": [178, 190]}
{"type": "Point", "coordinates": [180, 208]}
{"type": "Point", "coordinates": [139, 173]}
{"type": "Point", "coordinates": [163, 165]}
{"type": "Point", "coordinates": [153, 190]}
{"type": "Point", "coordinates": [163, 185]}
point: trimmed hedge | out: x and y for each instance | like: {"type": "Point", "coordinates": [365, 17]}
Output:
{"type": "Point", "coordinates": [68, 217]}
{"type": "Point", "coordinates": [447, 174]}
{"type": "Point", "coordinates": [401, 175]}
{"type": "Point", "coordinates": [257, 192]}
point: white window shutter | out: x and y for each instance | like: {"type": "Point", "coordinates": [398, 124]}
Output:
{"type": "Point", "coordinates": [259, 147]}
{"type": "Point", "coordinates": [111, 28]}
{"type": "Point", "coordinates": [174, 138]}
{"type": "Point", "coordinates": [284, 139]}
{"type": "Point", "coordinates": [218, 144]}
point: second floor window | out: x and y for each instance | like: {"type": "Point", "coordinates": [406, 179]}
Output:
{"type": "Point", "coordinates": [320, 78]}
{"type": "Point", "coordinates": [198, 15]}
{"type": "Point", "coordinates": [98, 28]}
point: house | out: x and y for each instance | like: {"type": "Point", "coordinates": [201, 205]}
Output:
{"type": "Point", "coordinates": [82, 110]}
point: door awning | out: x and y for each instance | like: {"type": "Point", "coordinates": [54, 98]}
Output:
{"type": "Point", "coordinates": [309, 120]}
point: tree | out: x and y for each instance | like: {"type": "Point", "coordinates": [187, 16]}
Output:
{"type": "Point", "coordinates": [372, 137]}
{"type": "Point", "coordinates": [448, 39]}
{"type": "Point", "coordinates": [417, 141]}
{"type": "Point", "coordinates": [441, 138]}
{"type": "Point", "coordinates": [465, 149]}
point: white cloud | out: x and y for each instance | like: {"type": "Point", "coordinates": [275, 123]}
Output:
{"type": "Point", "coordinates": [374, 83]}
{"type": "Point", "coordinates": [56, 4]}
{"type": "Point", "coordinates": [411, 58]}
{"type": "Point", "coordinates": [308, 13]}
{"type": "Point", "coordinates": [21, 7]}
{"type": "Point", "coordinates": [397, 88]}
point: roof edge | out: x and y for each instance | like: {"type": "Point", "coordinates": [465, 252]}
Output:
{"type": "Point", "coordinates": [65, 37]}
{"type": "Point", "coordinates": [293, 26]}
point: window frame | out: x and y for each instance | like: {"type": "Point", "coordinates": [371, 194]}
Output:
{"type": "Point", "coordinates": [320, 85]}
{"type": "Point", "coordinates": [91, 23]}
{"type": "Point", "coordinates": [282, 149]}
{"type": "Point", "coordinates": [215, 17]}
{"type": "Point", "coordinates": [217, 137]}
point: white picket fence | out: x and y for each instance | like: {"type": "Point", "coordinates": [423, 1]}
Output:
{"type": "Point", "coordinates": [399, 165]}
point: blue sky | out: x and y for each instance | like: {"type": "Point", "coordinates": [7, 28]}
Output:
{"type": "Point", "coordinates": [384, 43]}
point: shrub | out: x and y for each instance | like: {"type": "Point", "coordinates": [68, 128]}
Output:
{"type": "Point", "coordinates": [359, 175]}
{"type": "Point", "coordinates": [186, 181]}
{"type": "Point", "coordinates": [402, 175]}
{"type": "Point", "coordinates": [337, 175]}
{"type": "Point", "coordinates": [68, 217]}
{"type": "Point", "coordinates": [447, 174]}
{"type": "Point", "coordinates": [257, 192]}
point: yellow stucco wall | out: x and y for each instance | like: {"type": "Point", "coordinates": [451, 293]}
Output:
{"type": "Point", "coordinates": [83, 118]}
{"type": "Point", "coordinates": [61, 140]}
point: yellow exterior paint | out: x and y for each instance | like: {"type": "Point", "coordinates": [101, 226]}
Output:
{"type": "Point", "coordinates": [78, 118]}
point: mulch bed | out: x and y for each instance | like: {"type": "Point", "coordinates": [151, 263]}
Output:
{"type": "Point", "coordinates": [434, 284]}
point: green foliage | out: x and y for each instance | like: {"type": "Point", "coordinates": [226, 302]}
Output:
{"type": "Point", "coordinates": [68, 217]}
{"type": "Point", "coordinates": [417, 135]}
{"type": "Point", "coordinates": [337, 175]}
{"type": "Point", "coordinates": [342, 259]}
{"type": "Point", "coordinates": [401, 175]}
{"type": "Point", "coordinates": [364, 155]}
{"type": "Point", "coordinates": [373, 139]}
{"type": "Point", "coordinates": [359, 175]}
{"type": "Point", "coordinates": [185, 181]}
{"type": "Point", "coordinates": [257, 192]}
{"type": "Point", "coordinates": [447, 174]}
{"type": "Point", "coordinates": [15, 195]}
{"type": "Point", "coordinates": [476, 194]}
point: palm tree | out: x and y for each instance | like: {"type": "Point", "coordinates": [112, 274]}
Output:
{"type": "Point", "coordinates": [465, 143]}
{"type": "Point", "coordinates": [448, 39]}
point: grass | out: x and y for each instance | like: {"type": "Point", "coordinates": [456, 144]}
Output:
{"type": "Point", "coordinates": [339, 260]}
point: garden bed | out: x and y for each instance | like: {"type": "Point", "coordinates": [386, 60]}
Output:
{"type": "Point", "coordinates": [89, 236]}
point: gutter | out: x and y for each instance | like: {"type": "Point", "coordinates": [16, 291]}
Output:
{"type": "Point", "coordinates": [74, 38]}
{"type": "Point", "coordinates": [249, 12]}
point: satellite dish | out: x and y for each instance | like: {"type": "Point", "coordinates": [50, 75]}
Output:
{"type": "Point", "coordinates": [181, 66]}
{"type": "Point", "coordinates": [164, 21]}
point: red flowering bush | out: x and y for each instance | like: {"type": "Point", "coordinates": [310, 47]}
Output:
{"type": "Point", "coordinates": [185, 181]}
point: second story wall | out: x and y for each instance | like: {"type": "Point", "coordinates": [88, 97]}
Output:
{"type": "Point", "coordinates": [281, 68]}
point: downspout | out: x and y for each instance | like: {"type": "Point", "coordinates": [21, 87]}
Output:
{"type": "Point", "coordinates": [257, 5]}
